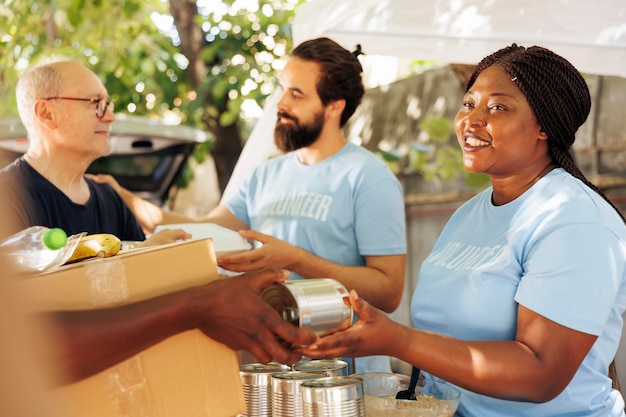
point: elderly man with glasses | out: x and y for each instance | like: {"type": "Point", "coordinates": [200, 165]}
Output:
{"type": "Point", "coordinates": [67, 114]}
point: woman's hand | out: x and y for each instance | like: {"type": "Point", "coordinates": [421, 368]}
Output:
{"type": "Point", "coordinates": [373, 334]}
{"type": "Point", "coordinates": [275, 254]}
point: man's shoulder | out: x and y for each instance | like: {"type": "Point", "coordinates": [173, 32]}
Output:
{"type": "Point", "coordinates": [361, 159]}
{"type": "Point", "coordinates": [18, 174]}
{"type": "Point", "coordinates": [359, 153]}
{"type": "Point", "coordinates": [275, 163]}
{"type": "Point", "coordinates": [12, 169]}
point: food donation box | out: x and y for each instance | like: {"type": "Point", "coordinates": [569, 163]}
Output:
{"type": "Point", "coordinates": [185, 375]}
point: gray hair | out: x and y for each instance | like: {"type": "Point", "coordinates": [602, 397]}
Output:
{"type": "Point", "coordinates": [40, 81]}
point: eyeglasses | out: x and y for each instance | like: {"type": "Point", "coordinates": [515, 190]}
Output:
{"type": "Point", "coordinates": [102, 104]}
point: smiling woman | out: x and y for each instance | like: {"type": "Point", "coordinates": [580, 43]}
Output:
{"type": "Point", "coordinates": [519, 304]}
{"type": "Point", "coordinates": [500, 136]}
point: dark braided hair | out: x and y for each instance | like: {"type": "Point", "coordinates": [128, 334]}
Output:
{"type": "Point", "coordinates": [340, 72]}
{"type": "Point", "coordinates": [556, 92]}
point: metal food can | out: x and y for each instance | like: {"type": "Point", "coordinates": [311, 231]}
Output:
{"type": "Point", "coordinates": [321, 304]}
{"type": "Point", "coordinates": [257, 387]}
{"type": "Point", "coordinates": [328, 367]}
{"type": "Point", "coordinates": [286, 396]}
{"type": "Point", "coordinates": [333, 396]}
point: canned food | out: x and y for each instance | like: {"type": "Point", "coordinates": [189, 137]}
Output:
{"type": "Point", "coordinates": [321, 304]}
{"type": "Point", "coordinates": [328, 367]}
{"type": "Point", "coordinates": [334, 396]}
{"type": "Point", "coordinates": [257, 388]}
{"type": "Point", "coordinates": [286, 397]}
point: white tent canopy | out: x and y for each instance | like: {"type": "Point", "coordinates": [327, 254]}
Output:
{"type": "Point", "coordinates": [591, 35]}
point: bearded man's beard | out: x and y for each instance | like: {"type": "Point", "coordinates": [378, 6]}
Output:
{"type": "Point", "coordinates": [293, 136]}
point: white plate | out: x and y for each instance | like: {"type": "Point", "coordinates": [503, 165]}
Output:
{"type": "Point", "coordinates": [225, 241]}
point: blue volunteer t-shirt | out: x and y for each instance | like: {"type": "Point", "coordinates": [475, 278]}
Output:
{"type": "Point", "coordinates": [559, 250]}
{"type": "Point", "coordinates": [348, 206]}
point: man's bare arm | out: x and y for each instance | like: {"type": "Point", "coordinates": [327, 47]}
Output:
{"type": "Point", "coordinates": [230, 311]}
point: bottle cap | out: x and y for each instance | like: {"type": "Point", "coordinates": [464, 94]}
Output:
{"type": "Point", "coordinates": [54, 238]}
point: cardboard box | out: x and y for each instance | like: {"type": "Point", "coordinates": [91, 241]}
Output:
{"type": "Point", "coordinates": [188, 375]}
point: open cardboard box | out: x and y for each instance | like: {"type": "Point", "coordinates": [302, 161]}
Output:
{"type": "Point", "coordinates": [188, 375]}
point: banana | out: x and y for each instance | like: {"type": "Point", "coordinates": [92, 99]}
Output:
{"type": "Point", "coordinates": [100, 245]}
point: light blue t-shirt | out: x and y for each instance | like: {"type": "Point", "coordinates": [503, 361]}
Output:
{"type": "Point", "coordinates": [559, 250]}
{"type": "Point", "coordinates": [348, 206]}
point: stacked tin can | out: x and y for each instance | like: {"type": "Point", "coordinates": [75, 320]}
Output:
{"type": "Point", "coordinates": [257, 388]}
{"type": "Point", "coordinates": [286, 396]}
{"type": "Point", "coordinates": [273, 391]}
{"type": "Point", "coordinates": [323, 306]}
{"type": "Point", "coordinates": [326, 367]}
{"type": "Point", "coordinates": [334, 396]}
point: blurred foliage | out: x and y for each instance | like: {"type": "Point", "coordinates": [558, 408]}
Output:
{"type": "Point", "coordinates": [418, 66]}
{"type": "Point", "coordinates": [242, 51]}
{"type": "Point", "coordinates": [435, 156]}
{"type": "Point", "coordinates": [144, 67]}
{"type": "Point", "coordinates": [116, 38]}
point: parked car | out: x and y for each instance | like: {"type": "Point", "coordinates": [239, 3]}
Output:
{"type": "Point", "coordinates": [147, 156]}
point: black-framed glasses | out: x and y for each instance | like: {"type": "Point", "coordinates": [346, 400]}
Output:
{"type": "Point", "coordinates": [102, 104]}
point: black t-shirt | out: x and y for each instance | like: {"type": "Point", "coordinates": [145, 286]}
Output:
{"type": "Point", "coordinates": [35, 201]}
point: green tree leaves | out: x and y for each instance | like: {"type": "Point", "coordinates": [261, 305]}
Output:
{"type": "Point", "coordinates": [165, 59]}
